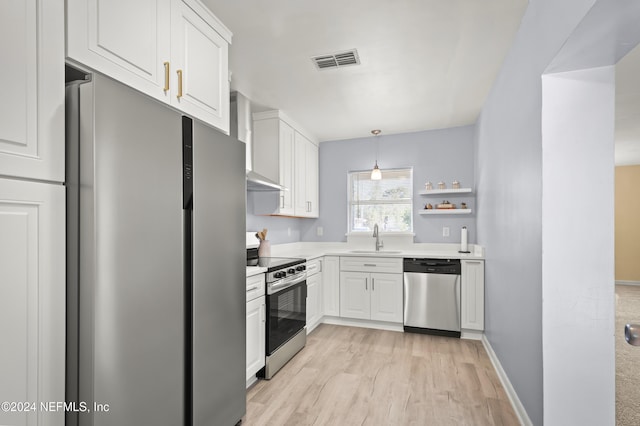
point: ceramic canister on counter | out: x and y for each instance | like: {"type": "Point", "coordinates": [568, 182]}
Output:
{"type": "Point", "coordinates": [264, 249]}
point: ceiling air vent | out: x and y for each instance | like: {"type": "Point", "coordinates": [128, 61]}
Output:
{"type": "Point", "coordinates": [336, 60]}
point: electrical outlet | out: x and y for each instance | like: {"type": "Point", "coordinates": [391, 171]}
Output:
{"type": "Point", "coordinates": [319, 231]}
{"type": "Point", "coordinates": [445, 231]}
{"type": "Point", "coordinates": [289, 232]}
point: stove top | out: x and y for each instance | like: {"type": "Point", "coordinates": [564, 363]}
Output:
{"type": "Point", "coordinates": [275, 263]}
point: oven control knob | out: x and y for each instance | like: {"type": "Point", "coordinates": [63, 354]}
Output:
{"type": "Point", "coordinates": [301, 268]}
{"type": "Point", "coordinates": [291, 271]}
{"type": "Point", "coordinates": [281, 274]}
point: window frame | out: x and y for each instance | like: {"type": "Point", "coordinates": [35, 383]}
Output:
{"type": "Point", "coordinates": [351, 204]}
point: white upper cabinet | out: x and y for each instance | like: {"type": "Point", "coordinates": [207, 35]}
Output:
{"type": "Point", "coordinates": [286, 169]}
{"type": "Point", "coordinates": [146, 42]}
{"type": "Point", "coordinates": [199, 56]}
{"type": "Point", "coordinates": [32, 105]}
{"type": "Point", "coordinates": [129, 41]}
{"type": "Point", "coordinates": [306, 177]}
{"type": "Point", "coordinates": [284, 154]}
{"type": "Point", "coordinates": [312, 179]}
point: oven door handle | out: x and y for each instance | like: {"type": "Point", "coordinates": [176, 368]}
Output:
{"type": "Point", "coordinates": [286, 283]}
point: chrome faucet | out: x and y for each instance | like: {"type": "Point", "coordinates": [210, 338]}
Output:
{"type": "Point", "coordinates": [376, 235]}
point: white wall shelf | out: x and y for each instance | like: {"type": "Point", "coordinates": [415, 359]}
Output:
{"type": "Point", "coordinates": [444, 211]}
{"type": "Point", "coordinates": [445, 191]}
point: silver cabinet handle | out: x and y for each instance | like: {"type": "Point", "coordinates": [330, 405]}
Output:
{"type": "Point", "coordinates": [282, 202]}
{"type": "Point", "coordinates": [366, 282]}
{"type": "Point", "coordinates": [373, 284]}
{"type": "Point", "coordinates": [370, 264]}
{"type": "Point", "coordinates": [252, 288]}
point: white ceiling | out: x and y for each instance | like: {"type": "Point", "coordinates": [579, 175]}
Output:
{"type": "Point", "coordinates": [425, 64]}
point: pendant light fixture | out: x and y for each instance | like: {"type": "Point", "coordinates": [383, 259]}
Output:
{"type": "Point", "coordinates": [376, 174]}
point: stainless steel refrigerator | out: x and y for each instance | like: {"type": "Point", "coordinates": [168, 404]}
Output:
{"type": "Point", "coordinates": [156, 271]}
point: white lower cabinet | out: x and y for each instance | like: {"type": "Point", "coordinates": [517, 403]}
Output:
{"type": "Point", "coordinates": [331, 286]}
{"type": "Point", "coordinates": [256, 323]}
{"type": "Point", "coordinates": [314, 287]}
{"type": "Point", "coordinates": [375, 296]}
{"type": "Point", "coordinates": [314, 294]}
{"type": "Point", "coordinates": [32, 299]}
{"type": "Point", "coordinates": [472, 295]}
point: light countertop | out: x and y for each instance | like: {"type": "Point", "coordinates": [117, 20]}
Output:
{"type": "Point", "coordinates": [310, 250]}
{"type": "Point", "coordinates": [437, 251]}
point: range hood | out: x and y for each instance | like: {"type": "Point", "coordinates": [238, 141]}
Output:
{"type": "Point", "coordinates": [241, 130]}
{"type": "Point", "coordinates": [257, 182]}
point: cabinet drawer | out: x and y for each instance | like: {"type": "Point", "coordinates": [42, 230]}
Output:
{"type": "Point", "coordinates": [313, 267]}
{"type": "Point", "coordinates": [255, 286]}
{"type": "Point", "coordinates": [391, 265]}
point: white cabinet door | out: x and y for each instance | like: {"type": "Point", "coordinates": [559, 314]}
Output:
{"type": "Point", "coordinates": [301, 204]}
{"type": "Point", "coordinates": [286, 168]}
{"type": "Point", "coordinates": [354, 295]}
{"type": "Point", "coordinates": [472, 295]}
{"type": "Point", "coordinates": [32, 104]}
{"type": "Point", "coordinates": [256, 317]}
{"type": "Point", "coordinates": [128, 41]}
{"type": "Point", "coordinates": [331, 285]}
{"type": "Point", "coordinates": [32, 298]}
{"type": "Point", "coordinates": [305, 177]}
{"type": "Point", "coordinates": [386, 297]}
{"type": "Point", "coordinates": [311, 177]}
{"type": "Point", "coordinates": [199, 59]}
{"type": "Point", "coordinates": [314, 288]}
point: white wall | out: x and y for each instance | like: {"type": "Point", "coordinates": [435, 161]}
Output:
{"type": "Point", "coordinates": [578, 312]}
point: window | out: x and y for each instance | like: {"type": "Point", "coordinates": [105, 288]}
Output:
{"type": "Point", "coordinates": [387, 202]}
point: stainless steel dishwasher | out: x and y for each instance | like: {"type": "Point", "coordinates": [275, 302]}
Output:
{"type": "Point", "coordinates": [432, 296]}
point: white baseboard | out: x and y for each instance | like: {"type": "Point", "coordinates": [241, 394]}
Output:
{"type": "Point", "coordinates": [623, 282]}
{"type": "Point", "coordinates": [471, 334]}
{"type": "Point", "coordinates": [378, 325]}
{"type": "Point", "coordinates": [252, 381]}
{"type": "Point", "coordinates": [506, 384]}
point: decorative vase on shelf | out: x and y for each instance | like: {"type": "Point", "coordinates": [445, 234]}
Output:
{"type": "Point", "coordinates": [264, 249]}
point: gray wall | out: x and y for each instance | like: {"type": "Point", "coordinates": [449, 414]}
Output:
{"type": "Point", "coordinates": [509, 182]}
{"type": "Point", "coordinates": [280, 229]}
{"type": "Point", "coordinates": [435, 155]}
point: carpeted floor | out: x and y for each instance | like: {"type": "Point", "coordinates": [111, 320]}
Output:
{"type": "Point", "coordinates": [627, 358]}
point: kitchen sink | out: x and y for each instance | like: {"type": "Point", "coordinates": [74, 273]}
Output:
{"type": "Point", "coordinates": [375, 252]}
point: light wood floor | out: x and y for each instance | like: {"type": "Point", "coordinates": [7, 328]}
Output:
{"type": "Point", "coordinates": [359, 376]}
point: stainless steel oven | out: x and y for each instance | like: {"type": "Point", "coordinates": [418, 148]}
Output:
{"type": "Point", "coordinates": [286, 300]}
{"type": "Point", "coordinates": [286, 320]}
{"type": "Point", "coordinates": [286, 313]}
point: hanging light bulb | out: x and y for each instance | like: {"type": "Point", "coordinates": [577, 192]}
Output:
{"type": "Point", "coordinates": [376, 174]}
